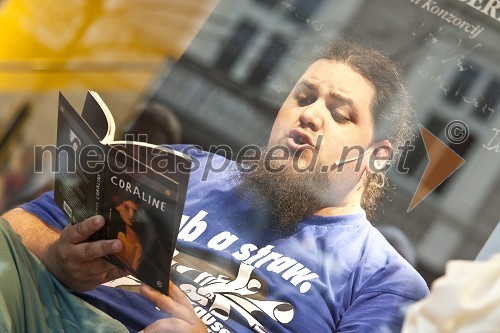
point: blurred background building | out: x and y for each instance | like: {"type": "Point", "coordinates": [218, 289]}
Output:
{"type": "Point", "coordinates": [229, 83]}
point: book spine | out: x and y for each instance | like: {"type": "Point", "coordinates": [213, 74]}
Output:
{"type": "Point", "coordinates": [99, 198]}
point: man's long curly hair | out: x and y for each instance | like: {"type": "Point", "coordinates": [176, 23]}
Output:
{"type": "Point", "coordinates": [391, 109]}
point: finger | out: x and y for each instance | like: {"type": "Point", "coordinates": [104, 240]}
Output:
{"type": "Point", "coordinates": [113, 274]}
{"type": "Point", "coordinates": [178, 296]}
{"type": "Point", "coordinates": [167, 304]}
{"type": "Point", "coordinates": [170, 325]}
{"type": "Point", "coordinates": [97, 279]}
{"type": "Point", "coordinates": [89, 251]}
{"type": "Point", "coordinates": [85, 282]}
{"type": "Point", "coordinates": [84, 270]}
{"type": "Point", "coordinates": [81, 232]}
{"type": "Point", "coordinates": [96, 267]}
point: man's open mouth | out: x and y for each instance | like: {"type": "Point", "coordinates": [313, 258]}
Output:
{"type": "Point", "coordinates": [299, 139]}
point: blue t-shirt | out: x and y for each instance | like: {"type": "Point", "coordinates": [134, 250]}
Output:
{"type": "Point", "coordinates": [333, 274]}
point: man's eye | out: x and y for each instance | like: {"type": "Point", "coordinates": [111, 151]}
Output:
{"type": "Point", "coordinates": [303, 100]}
{"type": "Point", "coordinates": [338, 117]}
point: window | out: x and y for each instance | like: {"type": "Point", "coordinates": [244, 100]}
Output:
{"type": "Point", "coordinates": [235, 46]}
{"type": "Point", "coordinates": [488, 101]}
{"type": "Point", "coordinates": [418, 157]}
{"type": "Point", "coordinates": [462, 83]}
{"type": "Point", "coordinates": [461, 149]}
{"type": "Point", "coordinates": [271, 56]}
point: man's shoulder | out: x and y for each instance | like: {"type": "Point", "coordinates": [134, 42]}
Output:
{"type": "Point", "coordinates": [387, 271]}
{"type": "Point", "coordinates": [372, 265]}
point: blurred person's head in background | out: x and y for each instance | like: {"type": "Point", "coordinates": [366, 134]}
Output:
{"type": "Point", "coordinates": [157, 123]}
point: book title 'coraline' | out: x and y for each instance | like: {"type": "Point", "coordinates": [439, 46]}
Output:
{"type": "Point", "coordinates": [134, 190]}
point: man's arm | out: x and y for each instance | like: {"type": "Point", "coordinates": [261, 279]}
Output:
{"type": "Point", "coordinates": [35, 235]}
{"type": "Point", "coordinates": [68, 254]}
{"type": "Point", "coordinates": [44, 240]}
{"type": "Point", "coordinates": [375, 312]}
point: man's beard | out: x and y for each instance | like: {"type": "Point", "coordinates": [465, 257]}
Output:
{"type": "Point", "coordinates": [291, 195]}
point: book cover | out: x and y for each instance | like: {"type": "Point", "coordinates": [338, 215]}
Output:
{"type": "Point", "coordinates": [139, 188]}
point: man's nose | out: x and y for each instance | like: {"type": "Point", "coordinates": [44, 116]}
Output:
{"type": "Point", "coordinates": [311, 116]}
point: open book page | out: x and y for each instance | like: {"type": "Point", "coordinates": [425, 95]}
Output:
{"type": "Point", "coordinates": [98, 116]}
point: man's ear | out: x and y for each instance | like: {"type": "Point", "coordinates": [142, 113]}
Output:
{"type": "Point", "coordinates": [380, 157]}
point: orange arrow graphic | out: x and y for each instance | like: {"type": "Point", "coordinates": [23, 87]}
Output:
{"type": "Point", "coordinates": [443, 162]}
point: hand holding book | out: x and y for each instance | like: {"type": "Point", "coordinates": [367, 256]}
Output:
{"type": "Point", "coordinates": [182, 319]}
{"type": "Point", "coordinates": [79, 263]}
